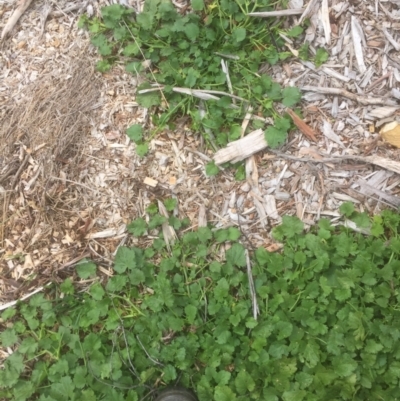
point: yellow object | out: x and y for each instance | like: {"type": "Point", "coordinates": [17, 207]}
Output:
{"type": "Point", "coordinates": [391, 133]}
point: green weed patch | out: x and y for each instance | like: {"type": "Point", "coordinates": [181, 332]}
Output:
{"type": "Point", "coordinates": [328, 326]}
{"type": "Point", "coordinates": [204, 64]}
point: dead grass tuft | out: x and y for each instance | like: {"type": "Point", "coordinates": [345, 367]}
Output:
{"type": "Point", "coordinates": [40, 154]}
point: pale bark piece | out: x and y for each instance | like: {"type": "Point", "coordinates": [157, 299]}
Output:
{"type": "Point", "coordinates": [225, 70]}
{"type": "Point", "coordinates": [378, 194]}
{"type": "Point", "coordinates": [260, 211]}
{"type": "Point", "coordinates": [279, 13]}
{"type": "Point", "coordinates": [344, 197]}
{"type": "Point", "coordinates": [383, 112]}
{"type": "Point", "coordinates": [242, 148]}
{"type": "Point", "coordinates": [365, 100]}
{"type": "Point", "coordinates": [379, 179]}
{"type": "Point", "coordinates": [357, 36]}
{"type": "Point", "coordinates": [392, 41]}
{"type": "Point", "coordinates": [252, 173]}
{"type": "Point", "coordinates": [353, 226]}
{"type": "Point", "coordinates": [168, 231]}
{"type": "Point", "coordinates": [330, 134]}
{"type": "Point", "coordinates": [16, 15]}
{"type": "Point", "coordinates": [109, 233]}
{"type": "Point", "coordinates": [270, 207]}
{"type": "Point", "coordinates": [391, 165]}
{"type": "Point", "coordinates": [202, 219]}
{"type": "Point", "coordinates": [246, 120]}
{"type": "Point", "coordinates": [252, 179]}
{"type": "Point", "coordinates": [306, 13]}
{"type": "Point", "coordinates": [150, 182]}
{"type": "Point", "coordinates": [325, 21]}
{"type": "Point", "coordinates": [335, 74]}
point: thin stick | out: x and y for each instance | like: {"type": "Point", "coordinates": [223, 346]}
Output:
{"type": "Point", "coordinates": [7, 198]}
{"type": "Point", "coordinates": [358, 98]}
{"type": "Point", "coordinates": [148, 355]}
{"type": "Point", "coordinates": [147, 395]}
{"type": "Point", "coordinates": [193, 92]}
{"type": "Point", "coordinates": [73, 182]}
{"type": "Point", "coordinates": [256, 310]}
{"type": "Point", "coordinates": [12, 303]}
{"type": "Point", "coordinates": [383, 77]}
{"type": "Point", "coordinates": [18, 173]}
{"type": "Point", "coordinates": [16, 15]}
{"type": "Point", "coordinates": [279, 13]}
{"type": "Point", "coordinates": [225, 70]}
{"type": "Point", "coordinates": [391, 165]}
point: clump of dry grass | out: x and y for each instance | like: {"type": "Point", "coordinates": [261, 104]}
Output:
{"type": "Point", "coordinates": [40, 137]}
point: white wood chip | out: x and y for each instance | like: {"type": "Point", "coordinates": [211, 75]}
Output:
{"type": "Point", "coordinates": [308, 10]}
{"type": "Point", "coordinates": [111, 232]}
{"type": "Point", "coordinates": [150, 182]}
{"type": "Point", "coordinates": [202, 217]}
{"type": "Point", "coordinates": [367, 77]}
{"type": "Point", "coordinates": [377, 194]}
{"type": "Point", "coordinates": [325, 21]}
{"type": "Point", "coordinates": [335, 74]}
{"type": "Point", "coordinates": [353, 226]}
{"type": "Point", "coordinates": [270, 207]}
{"type": "Point", "coordinates": [330, 134]}
{"type": "Point", "coordinates": [357, 36]}
{"type": "Point", "coordinates": [344, 197]}
{"type": "Point", "coordinates": [261, 212]}
{"type": "Point", "coordinates": [383, 112]}
{"type": "Point", "coordinates": [390, 38]}
{"type": "Point", "coordinates": [168, 231]}
{"type": "Point", "coordinates": [242, 148]}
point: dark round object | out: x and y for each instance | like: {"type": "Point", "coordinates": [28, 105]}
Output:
{"type": "Point", "coordinates": [176, 394]}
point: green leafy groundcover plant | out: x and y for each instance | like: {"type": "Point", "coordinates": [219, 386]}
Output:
{"type": "Point", "coordinates": [328, 329]}
{"type": "Point", "coordinates": [185, 50]}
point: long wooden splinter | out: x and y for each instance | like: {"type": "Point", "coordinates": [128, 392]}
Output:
{"type": "Point", "coordinates": [16, 15]}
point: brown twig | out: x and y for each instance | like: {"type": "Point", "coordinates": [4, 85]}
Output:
{"type": "Point", "coordinates": [367, 101]}
{"type": "Point", "coordinates": [7, 198]}
{"type": "Point", "coordinates": [390, 165]}
{"type": "Point", "coordinates": [383, 77]}
{"type": "Point", "coordinates": [302, 126]}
